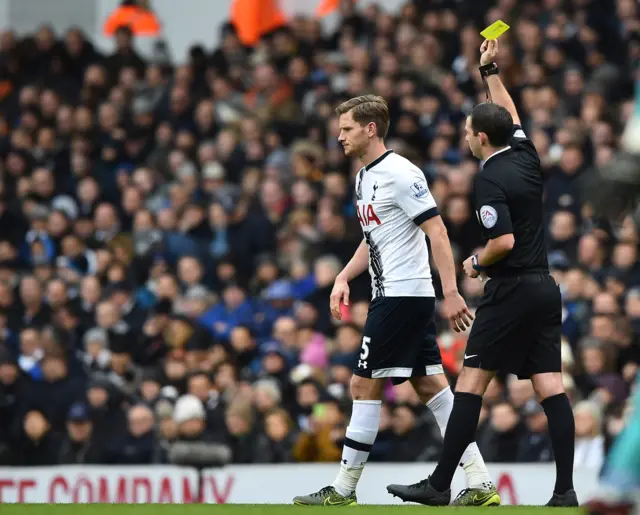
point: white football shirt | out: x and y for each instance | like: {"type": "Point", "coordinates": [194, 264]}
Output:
{"type": "Point", "coordinates": [393, 199]}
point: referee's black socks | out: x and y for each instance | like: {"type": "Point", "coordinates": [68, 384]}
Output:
{"type": "Point", "coordinates": [562, 430]}
{"type": "Point", "coordinates": [461, 431]}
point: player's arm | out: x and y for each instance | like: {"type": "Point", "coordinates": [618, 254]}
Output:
{"type": "Point", "coordinates": [340, 293]}
{"type": "Point", "coordinates": [442, 253]}
{"type": "Point", "coordinates": [357, 264]}
{"type": "Point", "coordinates": [412, 195]}
{"type": "Point", "coordinates": [497, 90]}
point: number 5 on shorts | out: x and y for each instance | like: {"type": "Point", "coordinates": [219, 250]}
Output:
{"type": "Point", "coordinates": [365, 348]}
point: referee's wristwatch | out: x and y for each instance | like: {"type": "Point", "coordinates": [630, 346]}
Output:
{"type": "Point", "coordinates": [476, 264]}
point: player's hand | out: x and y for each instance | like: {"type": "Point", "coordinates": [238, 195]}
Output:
{"type": "Point", "coordinates": [456, 311]}
{"type": "Point", "coordinates": [340, 293]}
{"type": "Point", "coordinates": [468, 268]}
{"type": "Point", "coordinates": [489, 51]}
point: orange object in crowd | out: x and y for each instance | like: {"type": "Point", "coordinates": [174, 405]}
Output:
{"type": "Point", "coordinates": [142, 22]}
{"type": "Point", "coordinates": [255, 18]}
{"type": "Point", "coordinates": [327, 7]}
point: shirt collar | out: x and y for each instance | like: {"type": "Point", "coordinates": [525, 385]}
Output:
{"type": "Point", "coordinates": [508, 147]}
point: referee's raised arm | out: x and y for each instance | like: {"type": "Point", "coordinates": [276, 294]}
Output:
{"type": "Point", "coordinates": [489, 71]}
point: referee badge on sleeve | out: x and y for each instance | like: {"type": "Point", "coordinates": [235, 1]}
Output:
{"type": "Point", "coordinates": [488, 216]}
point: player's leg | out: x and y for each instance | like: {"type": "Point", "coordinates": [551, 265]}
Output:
{"type": "Point", "coordinates": [387, 322]}
{"type": "Point", "coordinates": [544, 366]}
{"type": "Point", "coordinates": [435, 392]}
{"type": "Point", "coordinates": [359, 438]}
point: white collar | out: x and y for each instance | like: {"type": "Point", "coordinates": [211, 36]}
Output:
{"type": "Point", "coordinates": [508, 147]}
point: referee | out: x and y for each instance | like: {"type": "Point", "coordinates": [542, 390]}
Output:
{"type": "Point", "coordinates": [518, 323]}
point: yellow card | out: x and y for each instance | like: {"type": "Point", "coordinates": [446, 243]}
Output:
{"type": "Point", "coordinates": [495, 30]}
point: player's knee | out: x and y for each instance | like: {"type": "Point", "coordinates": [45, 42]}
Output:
{"type": "Point", "coordinates": [428, 386]}
{"type": "Point", "coordinates": [365, 389]}
{"type": "Point", "coordinates": [547, 385]}
{"type": "Point", "coordinates": [473, 380]}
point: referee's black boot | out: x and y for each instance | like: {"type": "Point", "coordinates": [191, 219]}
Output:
{"type": "Point", "coordinates": [422, 493]}
{"type": "Point", "coordinates": [565, 500]}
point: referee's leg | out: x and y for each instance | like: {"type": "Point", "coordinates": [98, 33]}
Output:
{"type": "Point", "coordinates": [544, 367]}
{"type": "Point", "coordinates": [461, 429]}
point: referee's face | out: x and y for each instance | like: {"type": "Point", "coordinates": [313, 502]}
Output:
{"type": "Point", "coordinates": [353, 136]}
{"type": "Point", "coordinates": [474, 141]}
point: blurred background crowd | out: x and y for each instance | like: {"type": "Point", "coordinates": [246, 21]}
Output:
{"type": "Point", "coordinates": [169, 234]}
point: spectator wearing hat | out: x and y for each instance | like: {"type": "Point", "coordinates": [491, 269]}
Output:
{"type": "Point", "coordinates": [79, 446]}
{"type": "Point", "coordinates": [195, 445]}
{"type": "Point", "coordinates": [279, 300]}
{"type": "Point", "coordinates": [96, 356]}
{"type": "Point", "coordinates": [196, 301]}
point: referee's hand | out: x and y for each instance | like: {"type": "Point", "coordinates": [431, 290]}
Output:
{"type": "Point", "coordinates": [455, 309]}
{"type": "Point", "coordinates": [340, 293]}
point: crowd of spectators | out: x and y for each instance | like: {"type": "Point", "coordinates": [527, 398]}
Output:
{"type": "Point", "coordinates": [169, 234]}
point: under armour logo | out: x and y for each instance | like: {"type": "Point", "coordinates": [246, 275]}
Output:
{"type": "Point", "coordinates": [375, 189]}
{"type": "Point", "coordinates": [362, 364]}
{"type": "Point", "coordinates": [344, 462]}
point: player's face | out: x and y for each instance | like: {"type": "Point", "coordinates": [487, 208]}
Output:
{"type": "Point", "coordinates": [474, 141]}
{"type": "Point", "coordinates": [353, 136]}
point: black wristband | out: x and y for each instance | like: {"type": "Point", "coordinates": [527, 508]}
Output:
{"type": "Point", "coordinates": [489, 69]}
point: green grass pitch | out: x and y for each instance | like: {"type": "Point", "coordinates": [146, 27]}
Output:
{"type": "Point", "coordinates": [262, 509]}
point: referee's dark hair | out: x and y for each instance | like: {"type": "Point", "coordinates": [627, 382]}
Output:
{"type": "Point", "coordinates": [495, 121]}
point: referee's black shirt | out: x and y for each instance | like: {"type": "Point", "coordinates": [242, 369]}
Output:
{"type": "Point", "coordinates": [508, 199]}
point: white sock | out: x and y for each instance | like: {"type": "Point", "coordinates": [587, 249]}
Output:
{"type": "Point", "coordinates": [441, 405]}
{"type": "Point", "coordinates": [361, 433]}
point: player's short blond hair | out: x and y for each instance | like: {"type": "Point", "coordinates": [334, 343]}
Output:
{"type": "Point", "coordinates": [368, 109]}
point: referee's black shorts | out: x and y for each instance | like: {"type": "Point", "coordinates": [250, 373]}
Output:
{"type": "Point", "coordinates": [517, 327]}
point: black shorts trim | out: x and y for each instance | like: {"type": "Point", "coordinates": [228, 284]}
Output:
{"type": "Point", "coordinates": [425, 215]}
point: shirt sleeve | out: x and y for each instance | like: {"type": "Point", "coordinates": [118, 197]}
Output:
{"type": "Point", "coordinates": [520, 141]}
{"type": "Point", "coordinates": [412, 195]}
{"type": "Point", "coordinates": [492, 209]}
